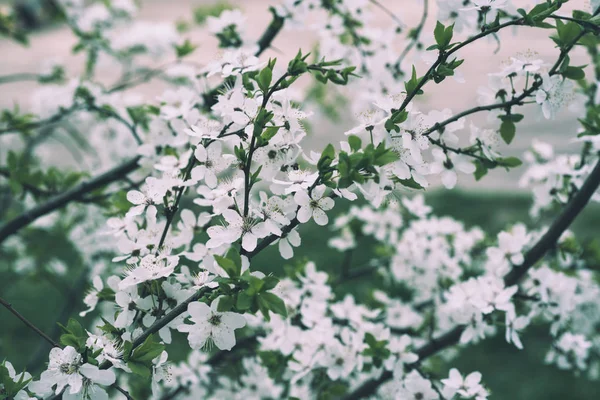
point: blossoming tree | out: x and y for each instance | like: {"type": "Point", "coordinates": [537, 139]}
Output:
{"type": "Point", "coordinates": [200, 181]}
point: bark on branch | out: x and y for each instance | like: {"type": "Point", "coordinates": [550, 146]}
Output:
{"type": "Point", "coordinates": [75, 193]}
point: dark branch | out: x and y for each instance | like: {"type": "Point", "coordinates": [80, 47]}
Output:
{"type": "Point", "coordinates": [10, 308]}
{"type": "Point", "coordinates": [65, 198]}
{"type": "Point", "coordinates": [19, 77]}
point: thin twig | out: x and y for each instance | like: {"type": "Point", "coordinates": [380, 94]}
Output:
{"type": "Point", "coordinates": [18, 77]}
{"type": "Point", "coordinates": [389, 12]}
{"type": "Point", "coordinates": [416, 35]}
{"type": "Point", "coordinates": [10, 308]}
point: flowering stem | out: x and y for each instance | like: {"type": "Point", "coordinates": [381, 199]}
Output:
{"type": "Point", "coordinates": [444, 55]}
{"type": "Point", "coordinates": [251, 149]}
{"type": "Point", "coordinates": [210, 98]}
{"type": "Point", "coordinates": [171, 211]}
{"type": "Point", "coordinates": [162, 322]}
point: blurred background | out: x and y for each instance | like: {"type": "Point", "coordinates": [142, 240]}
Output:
{"type": "Point", "coordinates": [493, 203]}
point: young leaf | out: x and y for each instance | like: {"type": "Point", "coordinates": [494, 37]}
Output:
{"type": "Point", "coordinates": [264, 79]}
{"type": "Point", "coordinates": [507, 131]}
{"type": "Point", "coordinates": [274, 303]}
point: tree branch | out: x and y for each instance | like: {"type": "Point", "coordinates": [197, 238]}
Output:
{"type": "Point", "coordinates": [18, 77]}
{"type": "Point", "coordinates": [37, 124]}
{"type": "Point", "coordinates": [63, 199]}
{"type": "Point", "coordinates": [47, 338]}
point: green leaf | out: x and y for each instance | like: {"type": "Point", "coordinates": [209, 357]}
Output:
{"type": "Point", "coordinates": [568, 32]}
{"type": "Point", "coordinates": [438, 33]}
{"type": "Point", "coordinates": [509, 162]}
{"type": "Point", "coordinates": [410, 183]}
{"type": "Point", "coordinates": [399, 117]}
{"type": "Point", "coordinates": [575, 73]}
{"type": "Point", "coordinates": [225, 304]}
{"type": "Point", "coordinates": [75, 335]}
{"type": "Point", "coordinates": [184, 49]}
{"type": "Point", "coordinates": [443, 35]}
{"type": "Point", "coordinates": [264, 79]}
{"type": "Point", "coordinates": [480, 170]}
{"type": "Point", "coordinates": [274, 303]}
{"type": "Point", "coordinates": [412, 84]}
{"type": "Point", "coordinates": [386, 158]}
{"type": "Point", "coordinates": [269, 133]}
{"type": "Point", "coordinates": [127, 349]}
{"type": "Point", "coordinates": [354, 142]}
{"type": "Point", "coordinates": [234, 255]}
{"type": "Point", "coordinates": [391, 126]}
{"type": "Point", "coordinates": [511, 117]}
{"type": "Point", "coordinates": [507, 131]}
{"type": "Point", "coordinates": [140, 369]}
{"type": "Point", "coordinates": [229, 266]}
{"type": "Point", "coordinates": [147, 351]}
{"type": "Point", "coordinates": [244, 301]}
{"type": "Point", "coordinates": [269, 282]}
{"type": "Point", "coordinates": [327, 157]}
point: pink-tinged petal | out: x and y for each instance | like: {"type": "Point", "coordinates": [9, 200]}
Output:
{"type": "Point", "coordinates": [136, 197]}
{"type": "Point", "coordinates": [75, 381]}
{"type": "Point", "coordinates": [301, 198]}
{"type": "Point", "coordinates": [326, 203]}
{"type": "Point", "coordinates": [466, 167]}
{"type": "Point", "coordinates": [97, 375]}
{"type": "Point", "coordinates": [185, 328]}
{"type": "Point", "coordinates": [449, 179]}
{"type": "Point", "coordinates": [129, 281]}
{"type": "Point", "coordinates": [200, 153]}
{"type": "Point", "coordinates": [285, 249]}
{"type": "Point", "coordinates": [210, 178]}
{"type": "Point", "coordinates": [320, 217]}
{"type": "Point", "coordinates": [294, 238]}
{"type": "Point", "coordinates": [401, 170]}
{"type": "Point", "coordinates": [261, 229]}
{"type": "Point", "coordinates": [137, 210]}
{"type": "Point", "coordinates": [198, 310]}
{"type": "Point", "coordinates": [214, 150]}
{"type": "Point", "coordinates": [233, 320]}
{"type": "Point", "coordinates": [197, 341]}
{"type": "Point", "coordinates": [249, 241]}
{"type": "Point", "coordinates": [165, 335]}
{"type": "Point", "coordinates": [198, 172]}
{"type": "Point", "coordinates": [304, 214]}
{"type": "Point", "coordinates": [232, 217]}
{"type": "Point", "coordinates": [224, 338]}
{"type": "Point", "coordinates": [473, 378]}
{"type": "Point", "coordinates": [318, 192]}
{"type": "Point", "coordinates": [517, 341]}
{"type": "Point", "coordinates": [455, 376]}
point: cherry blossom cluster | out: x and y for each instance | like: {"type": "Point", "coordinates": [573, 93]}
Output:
{"type": "Point", "coordinates": [225, 172]}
